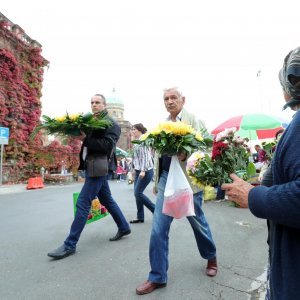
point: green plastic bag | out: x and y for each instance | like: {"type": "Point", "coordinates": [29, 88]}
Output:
{"type": "Point", "coordinates": [97, 212]}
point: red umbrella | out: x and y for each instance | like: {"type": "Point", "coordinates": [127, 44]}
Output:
{"type": "Point", "coordinates": [252, 126]}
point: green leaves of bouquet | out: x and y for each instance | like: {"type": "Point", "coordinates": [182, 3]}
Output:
{"type": "Point", "coordinates": [170, 138]}
{"type": "Point", "coordinates": [229, 155]}
{"type": "Point", "coordinates": [269, 147]}
{"type": "Point", "coordinates": [72, 124]}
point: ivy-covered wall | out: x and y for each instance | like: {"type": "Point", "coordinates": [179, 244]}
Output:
{"type": "Point", "coordinates": [21, 76]}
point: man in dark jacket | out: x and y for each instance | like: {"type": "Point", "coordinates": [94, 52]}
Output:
{"type": "Point", "coordinates": [100, 142]}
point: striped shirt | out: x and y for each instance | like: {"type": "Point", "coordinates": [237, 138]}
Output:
{"type": "Point", "coordinates": [142, 159]}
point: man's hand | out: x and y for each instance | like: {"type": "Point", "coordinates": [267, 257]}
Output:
{"type": "Point", "coordinates": [237, 191]}
{"type": "Point", "coordinates": [142, 174]}
{"type": "Point", "coordinates": [154, 190]}
{"type": "Point", "coordinates": [181, 156]}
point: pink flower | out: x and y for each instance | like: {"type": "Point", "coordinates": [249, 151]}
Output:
{"type": "Point", "coordinates": [193, 159]}
{"type": "Point", "coordinates": [225, 133]}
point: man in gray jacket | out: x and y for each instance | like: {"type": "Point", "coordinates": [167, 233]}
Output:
{"type": "Point", "coordinates": [158, 250]}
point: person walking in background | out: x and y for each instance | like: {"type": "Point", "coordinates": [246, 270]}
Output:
{"type": "Point", "coordinates": [267, 162]}
{"type": "Point", "coordinates": [159, 240]}
{"type": "Point", "coordinates": [279, 200]}
{"type": "Point", "coordinates": [96, 142]}
{"type": "Point", "coordinates": [112, 165]}
{"type": "Point", "coordinates": [124, 164]}
{"type": "Point", "coordinates": [142, 162]}
{"type": "Point", "coordinates": [278, 134]}
{"type": "Point", "coordinates": [260, 157]}
{"type": "Point", "coordinates": [130, 170]}
{"type": "Point", "coordinates": [120, 172]}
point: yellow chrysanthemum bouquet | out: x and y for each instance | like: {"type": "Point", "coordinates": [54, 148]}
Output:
{"type": "Point", "coordinates": [171, 138]}
{"type": "Point", "coordinates": [72, 124]}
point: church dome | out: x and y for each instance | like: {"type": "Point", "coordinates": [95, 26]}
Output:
{"type": "Point", "coordinates": [114, 99]}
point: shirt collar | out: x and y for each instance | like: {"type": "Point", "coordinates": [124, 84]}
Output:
{"type": "Point", "coordinates": [178, 117]}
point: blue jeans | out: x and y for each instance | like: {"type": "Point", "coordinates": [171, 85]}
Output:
{"type": "Point", "coordinates": [159, 240]}
{"type": "Point", "coordinates": [94, 186]}
{"type": "Point", "coordinates": [140, 185]}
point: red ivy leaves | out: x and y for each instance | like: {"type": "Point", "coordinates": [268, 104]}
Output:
{"type": "Point", "coordinates": [20, 106]}
{"type": "Point", "coordinates": [21, 77]}
{"type": "Point", "coordinates": [35, 58]}
{"type": "Point", "coordinates": [8, 66]}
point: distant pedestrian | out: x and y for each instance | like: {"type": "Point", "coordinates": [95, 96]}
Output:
{"type": "Point", "coordinates": [120, 172]}
{"type": "Point", "coordinates": [260, 157]}
{"type": "Point", "coordinates": [142, 162]}
{"type": "Point", "coordinates": [42, 172]}
{"type": "Point", "coordinates": [112, 165]}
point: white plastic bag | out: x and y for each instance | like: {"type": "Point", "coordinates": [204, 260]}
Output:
{"type": "Point", "coordinates": [178, 195]}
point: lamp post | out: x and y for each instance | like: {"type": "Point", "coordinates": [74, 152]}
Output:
{"type": "Point", "coordinates": [259, 90]}
{"type": "Point", "coordinates": [62, 168]}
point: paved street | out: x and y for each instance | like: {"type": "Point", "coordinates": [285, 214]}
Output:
{"type": "Point", "coordinates": [33, 222]}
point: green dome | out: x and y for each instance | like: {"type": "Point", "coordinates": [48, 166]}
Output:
{"type": "Point", "coordinates": [114, 98]}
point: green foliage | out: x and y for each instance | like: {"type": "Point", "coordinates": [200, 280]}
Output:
{"type": "Point", "coordinates": [251, 169]}
{"type": "Point", "coordinates": [269, 147]}
{"type": "Point", "coordinates": [72, 124]}
{"type": "Point", "coordinates": [229, 155]}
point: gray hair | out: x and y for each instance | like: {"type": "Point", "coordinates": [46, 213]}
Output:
{"type": "Point", "coordinates": [174, 88]}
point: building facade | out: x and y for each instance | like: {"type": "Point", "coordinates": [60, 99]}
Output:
{"type": "Point", "coordinates": [115, 108]}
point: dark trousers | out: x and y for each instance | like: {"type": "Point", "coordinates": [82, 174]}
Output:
{"type": "Point", "coordinates": [220, 193]}
{"type": "Point", "coordinates": [140, 185]}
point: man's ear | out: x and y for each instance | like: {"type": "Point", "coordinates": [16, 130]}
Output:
{"type": "Point", "coordinates": [183, 99]}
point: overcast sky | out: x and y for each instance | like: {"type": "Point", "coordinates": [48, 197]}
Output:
{"type": "Point", "coordinates": [224, 55]}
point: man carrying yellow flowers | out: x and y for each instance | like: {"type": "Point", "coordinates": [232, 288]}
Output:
{"type": "Point", "coordinates": [182, 122]}
{"type": "Point", "coordinates": [96, 143]}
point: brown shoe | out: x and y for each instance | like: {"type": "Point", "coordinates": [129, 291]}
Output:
{"type": "Point", "coordinates": [212, 267]}
{"type": "Point", "coordinates": [148, 287]}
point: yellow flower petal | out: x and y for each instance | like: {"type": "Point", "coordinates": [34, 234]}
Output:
{"type": "Point", "coordinates": [199, 137]}
{"type": "Point", "coordinates": [144, 136]}
{"type": "Point", "coordinates": [60, 119]}
{"type": "Point", "coordinates": [74, 117]}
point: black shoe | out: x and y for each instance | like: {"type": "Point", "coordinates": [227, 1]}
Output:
{"type": "Point", "coordinates": [136, 221]}
{"type": "Point", "coordinates": [61, 252]}
{"type": "Point", "coordinates": [119, 235]}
